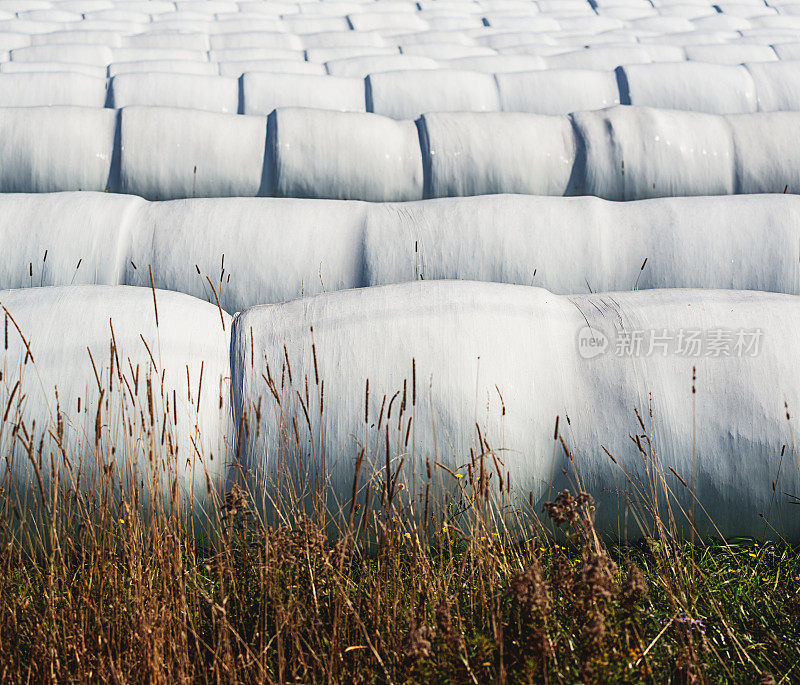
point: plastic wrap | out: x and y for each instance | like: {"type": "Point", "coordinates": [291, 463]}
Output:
{"type": "Point", "coordinates": [64, 238]}
{"type": "Point", "coordinates": [275, 66]}
{"type": "Point", "coordinates": [45, 149]}
{"type": "Point", "coordinates": [712, 88]}
{"type": "Point", "coordinates": [51, 88]}
{"type": "Point", "coordinates": [169, 66]}
{"type": "Point", "coordinates": [480, 154]}
{"type": "Point", "coordinates": [557, 91]}
{"type": "Point", "coordinates": [344, 155]}
{"type": "Point", "coordinates": [206, 93]}
{"type": "Point", "coordinates": [359, 67]}
{"type": "Point", "coordinates": [407, 94]}
{"type": "Point", "coordinates": [633, 153]}
{"type": "Point", "coordinates": [253, 251]}
{"type": "Point", "coordinates": [174, 153]}
{"type": "Point", "coordinates": [262, 92]}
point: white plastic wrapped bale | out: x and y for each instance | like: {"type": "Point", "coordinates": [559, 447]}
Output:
{"type": "Point", "coordinates": [767, 152]}
{"type": "Point", "coordinates": [522, 23]}
{"type": "Point", "coordinates": [557, 91]}
{"type": "Point", "coordinates": [9, 40]}
{"type": "Point", "coordinates": [510, 359]}
{"type": "Point", "coordinates": [767, 36]}
{"type": "Point", "coordinates": [122, 27]}
{"type": "Point", "coordinates": [176, 153]}
{"type": "Point", "coordinates": [60, 391]}
{"type": "Point", "coordinates": [600, 58]}
{"type": "Point", "coordinates": [592, 24]}
{"type": "Point", "coordinates": [246, 54]}
{"type": "Point", "coordinates": [446, 51]}
{"type": "Point", "coordinates": [29, 26]}
{"type": "Point", "coordinates": [243, 22]}
{"type": "Point", "coordinates": [169, 66]}
{"type": "Point", "coordinates": [47, 149]}
{"type": "Point", "coordinates": [685, 38]}
{"type": "Point", "coordinates": [302, 24]}
{"type": "Point", "coordinates": [346, 39]}
{"type": "Point", "coordinates": [780, 18]}
{"type": "Point", "coordinates": [577, 245]}
{"type": "Point", "coordinates": [86, 6]}
{"type": "Point", "coordinates": [664, 24]}
{"type": "Point", "coordinates": [480, 154]}
{"type": "Point", "coordinates": [633, 153]}
{"type": "Point", "coordinates": [407, 94]}
{"type": "Point", "coordinates": [209, 7]}
{"type": "Point", "coordinates": [39, 67]}
{"type": "Point", "coordinates": [712, 88]}
{"type": "Point", "coordinates": [51, 88]}
{"type": "Point", "coordinates": [567, 8]}
{"type": "Point", "coordinates": [359, 67]}
{"type": "Point", "coordinates": [142, 54]}
{"type": "Point", "coordinates": [168, 39]}
{"type": "Point", "coordinates": [194, 91]}
{"type": "Point", "coordinates": [343, 52]}
{"type": "Point", "coordinates": [15, 6]}
{"type": "Point", "coordinates": [63, 238]}
{"type": "Point", "coordinates": [610, 40]}
{"type": "Point", "coordinates": [344, 156]}
{"type": "Point", "coordinates": [256, 39]}
{"type": "Point", "coordinates": [787, 51]}
{"type": "Point", "coordinates": [50, 15]}
{"type": "Point", "coordinates": [178, 23]}
{"type": "Point", "coordinates": [542, 44]}
{"type": "Point", "coordinates": [387, 21]}
{"type": "Point", "coordinates": [133, 22]}
{"type": "Point", "coordinates": [98, 55]}
{"type": "Point", "coordinates": [271, 8]}
{"type": "Point", "coordinates": [449, 6]}
{"type": "Point", "coordinates": [263, 92]}
{"type": "Point", "coordinates": [434, 38]}
{"type": "Point", "coordinates": [333, 39]}
{"type": "Point", "coordinates": [275, 66]}
{"type": "Point", "coordinates": [777, 85]}
{"type": "Point", "coordinates": [335, 8]}
{"type": "Point", "coordinates": [748, 9]}
{"type": "Point", "coordinates": [254, 250]}
{"type": "Point", "coordinates": [154, 8]}
{"type": "Point", "coordinates": [451, 22]}
{"type": "Point", "coordinates": [721, 22]}
{"type": "Point", "coordinates": [111, 39]}
{"type": "Point", "coordinates": [499, 64]}
{"type": "Point", "coordinates": [733, 53]}
{"type": "Point", "coordinates": [666, 53]}
{"type": "Point", "coordinates": [627, 13]}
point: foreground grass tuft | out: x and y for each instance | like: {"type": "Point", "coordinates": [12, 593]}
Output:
{"type": "Point", "coordinates": [119, 600]}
